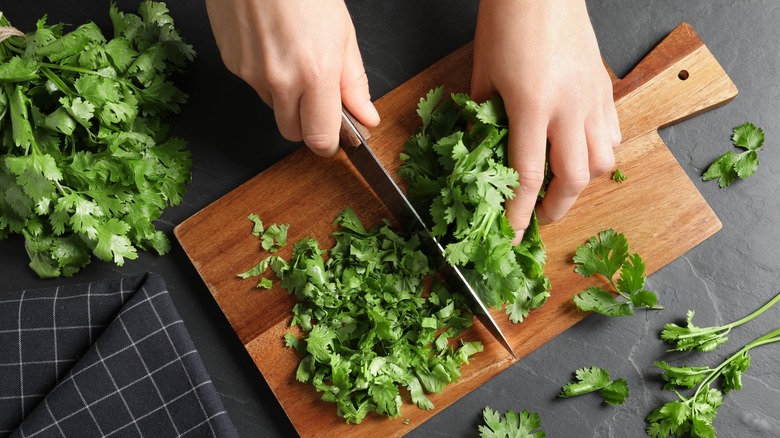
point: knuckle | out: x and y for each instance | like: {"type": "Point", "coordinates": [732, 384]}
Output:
{"type": "Point", "coordinates": [531, 179]}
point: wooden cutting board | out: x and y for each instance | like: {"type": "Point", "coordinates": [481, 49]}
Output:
{"type": "Point", "coordinates": [657, 208]}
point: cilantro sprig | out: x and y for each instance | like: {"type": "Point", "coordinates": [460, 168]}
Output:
{"type": "Point", "coordinates": [369, 326]}
{"type": "Point", "coordinates": [606, 254]}
{"type": "Point", "coordinates": [695, 415]}
{"type": "Point", "coordinates": [595, 379]}
{"type": "Point", "coordinates": [86, 164]}
{"type": "Point", "coordinates": [690, 336]}
{"type": "Point", "coordinates": [731, 165]}
{"type": "Point", "coordinates": [457, 172]}
{"type": "Point", "coordinates": [513, 425]}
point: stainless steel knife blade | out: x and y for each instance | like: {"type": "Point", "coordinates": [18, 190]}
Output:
{"type": "Point", "coordinates": [352, 138]}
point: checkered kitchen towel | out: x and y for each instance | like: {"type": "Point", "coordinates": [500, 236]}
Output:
{"type": "Point", "coordinates": [103, 359]}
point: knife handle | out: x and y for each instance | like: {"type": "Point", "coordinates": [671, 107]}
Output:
{"type": "Point", "coordinates": [352, 133]}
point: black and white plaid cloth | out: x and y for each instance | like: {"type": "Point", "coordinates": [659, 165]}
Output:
{"type": "Point", "coordinates": [103, 359]}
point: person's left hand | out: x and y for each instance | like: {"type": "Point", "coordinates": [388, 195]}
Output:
{"type": "Point", "coordinates": [542, 58]}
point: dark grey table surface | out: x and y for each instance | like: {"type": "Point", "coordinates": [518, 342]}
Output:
{"type": "Point", "coordinates": [232, 137]}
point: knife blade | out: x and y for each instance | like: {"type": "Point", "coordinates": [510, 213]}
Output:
{"type": "Point", "coordinates": [352, 138]}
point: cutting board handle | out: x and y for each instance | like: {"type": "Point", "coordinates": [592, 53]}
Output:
{"type": "Point", "coordinates": [678, 79]}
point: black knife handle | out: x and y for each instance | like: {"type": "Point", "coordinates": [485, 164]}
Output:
{"type": "Point", "coordinates": [351, 131]}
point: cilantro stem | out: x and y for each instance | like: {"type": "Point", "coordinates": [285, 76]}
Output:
{"type": "Point", "coordinates": [56, 80]}
{"type": "Point", "coordinates": [727, 327]}
{"type": "Point", "coordinates": [70, 68]}
{"type": "Point", "coordinates": [769, 338]}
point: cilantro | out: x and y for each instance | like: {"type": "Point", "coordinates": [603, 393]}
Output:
{"type": "Point", "coordinates": [369, 327]}
{"type": "Point", "coordinates": [513, 425]}
{"type": "Point", "coordinates": [695, 415]}
{"type": "Point", "coordinates": [690, 336]}
{"type": "Point", "coordinates": [605, 254]}
{"type": "Point", "coordinates": [85, 162]}
{"type": "Point", "coordinates": [457, 172]}
{"type": "Point", "coordinates": [618, 176]}
{"type": "Point", "coordinates": [595, 379]}
{"type": "Point", "coordinates": [273, 237]}
{"type": "Point", "coordinates": [731, 165]}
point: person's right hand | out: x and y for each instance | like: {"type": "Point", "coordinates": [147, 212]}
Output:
{"type": "Point", "coordinates": [302, 58]}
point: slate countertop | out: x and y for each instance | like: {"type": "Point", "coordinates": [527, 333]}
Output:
{"type": "Point", "coordinates": [232, 136]}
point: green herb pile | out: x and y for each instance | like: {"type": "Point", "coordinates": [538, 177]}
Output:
{"type": "Point", "coordinates": [456, 169]}
{"type": "Point", "coordinates": [86, 163]}
{"type": "Point", "coordinates": [368, 326]}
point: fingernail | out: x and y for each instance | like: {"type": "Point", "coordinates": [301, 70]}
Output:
{"type": "Point", "coordinates": [372, 111]}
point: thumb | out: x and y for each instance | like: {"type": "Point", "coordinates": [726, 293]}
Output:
{"type": "Point", "coordinates": [354, 87]}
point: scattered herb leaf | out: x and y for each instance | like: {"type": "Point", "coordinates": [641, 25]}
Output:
{"type": "Point", "coordinates": [618, 176]}
{"type": "Point", "coordinates": [695, 416]}
{"type": "Point", "coordinates": [595, 379]}
{"type": "Point", "coordinates": [513, 425]}
{"type": "Point", "coordinates": [690, 336]}
{"type": "Point", "coordinates": [731, 165]}
{"type": "Point", "coordinates": [605, 254]}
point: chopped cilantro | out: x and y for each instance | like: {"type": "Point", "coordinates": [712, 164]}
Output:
{"type": "Point", "coordinates": [618, 176]}
{"type": "Point", "coordinates": [605, 254]}
{"type": "Point", "coordinates": [457, 173]}
{"type": "Point", "coordinates": [86, 164]}
{"type": "Point", "coordinates": [595, 379]}
{"type": "Point", "coordinates": [513, 425]}
{"type": "Point", "coordinates": [369, 327]}
{"type": "Point", "coordinates": [731, 165]}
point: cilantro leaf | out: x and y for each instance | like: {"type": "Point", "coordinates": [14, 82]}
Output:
{"type": "Point", "coordinates": [514, 425]}
{"type": "Point", "coordinates": [605, 254]}
{"type": "Point", "coordinates": [595, 379]}
{"type": "Point", "coordinates": [731, 165]}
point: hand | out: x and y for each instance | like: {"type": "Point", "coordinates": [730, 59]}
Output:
{"type": "Point", "coordinates": [542, 58]}
{"type": "Point", "coordinates": [302, 58]}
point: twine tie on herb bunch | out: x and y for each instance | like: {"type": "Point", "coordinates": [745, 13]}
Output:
{"type": "Point", "coordinates": [8, 31]}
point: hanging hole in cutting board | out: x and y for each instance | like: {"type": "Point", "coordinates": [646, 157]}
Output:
{"type": "Point", "coordinates": [683, 75]}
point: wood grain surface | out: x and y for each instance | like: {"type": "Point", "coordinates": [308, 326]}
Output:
{"type": "Point", "coordinates": [657, 208]}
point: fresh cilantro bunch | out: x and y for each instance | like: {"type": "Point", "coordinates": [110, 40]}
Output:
{"type": "Point", "coordinates": [605, 254]}
{"type": "Point", "coordinates": [86, 164]}
{"type": "Point", "coordinates": [595, 379]}
{"type": "Point", "coordinates": [369, 328]}
{"type": "Point", "coordinates": [513, 425]}
{"type": "Point", "coordinates": [695, 415]}
{"type": "Point", "coordinates": [731, 165]}
{"type": "Point", "coordinates": [690, 336]}
{"type": "Point", "coordinates": [456, 169]}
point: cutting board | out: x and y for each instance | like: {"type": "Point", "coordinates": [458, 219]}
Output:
{"type": "Point", "coordinates": [658, 208]}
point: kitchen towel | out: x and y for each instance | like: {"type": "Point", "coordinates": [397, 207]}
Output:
{"type": "Point", "coordinates": [111, 358]}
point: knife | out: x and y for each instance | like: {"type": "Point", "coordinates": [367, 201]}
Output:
{"type": "Point", "coordinates": [352, 138]}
